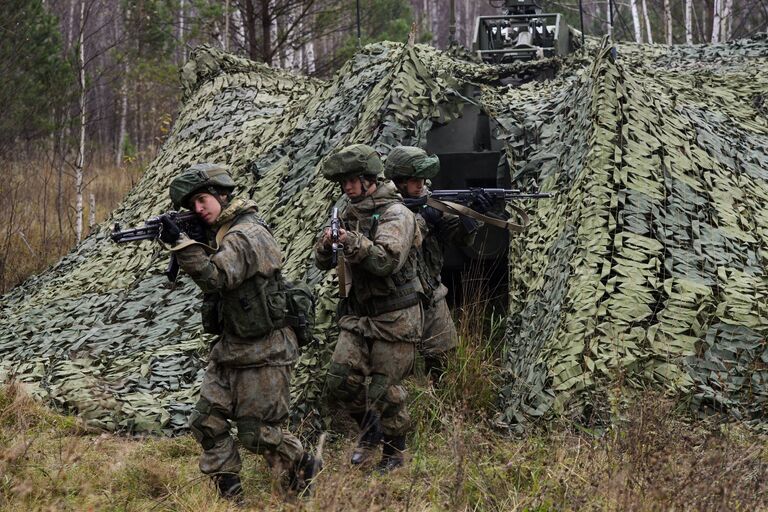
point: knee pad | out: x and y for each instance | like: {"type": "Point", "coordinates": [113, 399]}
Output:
{"type": "Point", "coordinates": [339, 385]}
{"type": "Point", "coordinates": [377, 389]}
{"type": "Point", "coordinates": [257, 436]}
{"type": "Point", "coordinates": [206, 433]}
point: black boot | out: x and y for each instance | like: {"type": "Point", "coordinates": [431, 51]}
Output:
{"type": "Point", "coordinates": [229, 486]}
{"type": "Point", "coordinates": [302, 475]}
{"type": "Point", "coordinates": [370, 436]}
{"type": "Point", "coordinates": [392, 457]}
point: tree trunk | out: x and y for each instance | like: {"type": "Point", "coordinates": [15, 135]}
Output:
{"type": "Point", "coordinates": [647, 22]}
{"type": "Point", "coordinates": [250, 29]}
{"type": "Point", "coordinates": [688, 21]}
{"type": "Point", "coordinates": [266, 32]}
{"type": "Point", "coordinates": [716, 8]}
{"type": "Point", "coordinates": [727, 20]}
{"type": "Point", "coordinates": [668, 21]}
{"type": "Point", "coordinates": [226, 26]}
{"type": "Point", "coordinates": [182, 51]}
{"type": "Point", "coordinates": [81, 147]}
{"type": "Point", "coordinates": [636, 21]}
{"type": "Point", "coordinates": [610, 19]}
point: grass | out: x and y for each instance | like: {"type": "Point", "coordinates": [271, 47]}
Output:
{"type": "Point", "coordinates": [653, 457]}
{"type": "Point", "coordinates": [36, 228]}
{"type": "Point", "coordinates": [657, 460]}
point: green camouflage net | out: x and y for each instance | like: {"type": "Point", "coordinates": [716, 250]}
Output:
{"type": "Point", "coordinates": [647, 267]}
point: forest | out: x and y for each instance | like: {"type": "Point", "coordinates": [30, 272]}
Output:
{"type": "Point", "coordinates": [90, 88]}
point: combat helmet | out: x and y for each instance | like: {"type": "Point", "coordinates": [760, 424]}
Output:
{"type": "Point", "coordinates": [203, 177]}
{"type": "Point", "coordinates": [354, 160]}
{"type": "Point", "coordinates": [411, 162]}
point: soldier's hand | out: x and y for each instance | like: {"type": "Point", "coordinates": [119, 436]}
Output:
{"type": "Point", "coordinates": [326, 239]}
{"type": "Point", "coordinates": [430, 215]}
{"type": "Point", "coordinates": [169, 230]}
{"type": "Point", "coordinates": [342, 236]}
{"type": "Point", "coordinates": [482, 202]}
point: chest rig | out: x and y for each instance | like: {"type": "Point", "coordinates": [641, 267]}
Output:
{"type": "Point", "coordinates": [373, 295]}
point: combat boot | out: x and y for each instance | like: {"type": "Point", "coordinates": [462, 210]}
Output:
{"type": "Point", "coordinates": [229, 486]}
{"type": "Point", "coordinates": [370, 436]}
{"type": "Point", "coordinates": [392, 457]}
{"type": "Point", "coordinates": [301, 477]}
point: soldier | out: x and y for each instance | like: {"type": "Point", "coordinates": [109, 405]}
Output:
{"type": "Point", "coordinates": [409, 168]}
{"type": "Point", "coordinates": [249, 369]}
{"type": "Point", "coordinates": [381, 319]}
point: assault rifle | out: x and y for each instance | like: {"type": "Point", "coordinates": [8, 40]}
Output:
{"type": "Point", "coordinates": [466, 196]}
{"type": "Point", "coordinates": [335, 226]}
{"type": "Point", "coordinates": [338, 253]}
{"type": "Point", "coordinates": [188, 223]}
{"type": "Point", "coordinates": [454, 201]}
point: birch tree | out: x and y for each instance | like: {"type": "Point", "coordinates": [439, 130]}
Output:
{"type": "Point", "coordinates": [647, 22]}
{"type": "Point", "coordinates": [689, 21]}
{"type": "Point", "coordinates": [636, 21]}
{"type": "Point", "coordinates": [716, 13]}
{"type": "Point", "coordinates": [79, 164]}
{"type": "Point", "coordinates": [668, 21]}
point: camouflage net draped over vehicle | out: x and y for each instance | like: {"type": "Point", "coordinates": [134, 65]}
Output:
{"type": "Point", "coordinates": [648, 267]}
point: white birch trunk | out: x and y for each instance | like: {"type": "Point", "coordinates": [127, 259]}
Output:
{"type": "Point", "coordinates": [71, 23]}
{"type": "Point", "coordinates": [434, 22]}
{"type": "Point", "coordinates": [647, 22]}
{"type": "Point", "coordinates": [226, 26]}
{"type": "Point", "coordinates": [91, 211]}
{"type": "Point", "coordinates": [716, 8]}
{"type": "Point", "coordinates": [636, 21]}
{"type": "Point", "coordinates": [727, 20]}
{"type": "Point", "coordinates": [668, 21]}
{"type": "Point", "coordinates": [689, 21]}
{"type": "Point", "coordinates": [238, 30]}
{"type": "Point", "coordinates": [81, 147]}
{"type": "Point", "coordinates": [182, 53]}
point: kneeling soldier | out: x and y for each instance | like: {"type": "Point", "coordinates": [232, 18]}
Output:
{"type": "Point", "coordinates": [381, 319]}
{"type": "Point", "coordinates": [249, 371]}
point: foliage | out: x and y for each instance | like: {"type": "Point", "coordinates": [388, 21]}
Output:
{"type": "Point", "coordinates": [35, 79]}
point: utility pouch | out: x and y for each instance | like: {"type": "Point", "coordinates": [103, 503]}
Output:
{"type": "Point", "coordinates": [210, 313]}
{"type": "Point", "coordinates": [301, 310]}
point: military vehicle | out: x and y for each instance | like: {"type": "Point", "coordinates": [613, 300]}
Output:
{"type": "Point", "coordinates": [470, 155]}
{"type": "Point", "coordinates": [523, 32]}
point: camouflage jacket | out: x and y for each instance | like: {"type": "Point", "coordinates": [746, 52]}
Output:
{"type": "Point", "coordinates": [248, 249]}
{"type": "Point", "coordinates": [382, 251]}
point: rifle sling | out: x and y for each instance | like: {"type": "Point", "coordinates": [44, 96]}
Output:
{"type": "Point", "coordinates": [460, 209]}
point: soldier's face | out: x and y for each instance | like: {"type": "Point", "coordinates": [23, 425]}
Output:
{"type": "Point", "coordinates": [412, 187]}
{"type": "Point", "coordinates": [206, 207]}
{"type": "Point", "coordinates": [352, 187]}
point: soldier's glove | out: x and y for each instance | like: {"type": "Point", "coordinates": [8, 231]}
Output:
{"type": "Point", "coordinates": [169, 230]}
{"type": "Point", "coordinates": [481, 202]}
{"type": "Point", "coordinates": [431, 215]}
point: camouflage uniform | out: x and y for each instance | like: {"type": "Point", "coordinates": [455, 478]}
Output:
{"type": "Point", "coordinates": [249, 371]}
{"type": "Point", "coordinates": [381, 320]}
{"type": "Point", "coordinates": [438, 230]}
{"type": "Point", "coordinates": [247, 379]}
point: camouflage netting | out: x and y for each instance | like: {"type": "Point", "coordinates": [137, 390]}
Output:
{"type": "Point", "coordinates": [647, 268]}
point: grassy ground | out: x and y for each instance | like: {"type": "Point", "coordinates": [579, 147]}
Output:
{"type": "Point", "coordinates": [656, 459]}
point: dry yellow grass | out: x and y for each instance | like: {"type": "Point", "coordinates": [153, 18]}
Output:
{"type": "Point", "coordinates": [655, 460]}
{"type": "Point", "coordinates": [36, 228]}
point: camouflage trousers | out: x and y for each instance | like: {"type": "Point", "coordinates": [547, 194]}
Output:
{"type": "Point", "coordinates": [256, 400]}
{"type": "Point", "coordinates": [439, 330]}
{"type": "Point", "coordinates": [387, 363]}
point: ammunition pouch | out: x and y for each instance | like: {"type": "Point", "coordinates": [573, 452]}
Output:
{"type": "Point", "coordinates": [210, 314]}
{"type": "Point", "coordinates": [255, 308]}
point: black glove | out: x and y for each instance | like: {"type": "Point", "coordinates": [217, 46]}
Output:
{"type": "Point", "coordinates": [169, 231]}
{"type": "Point", "coordinates": [481, 202]}
{"type": "Point", "coordinates": [431, 215]}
